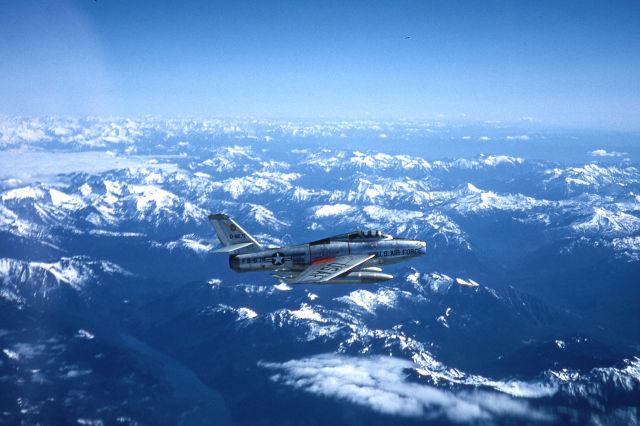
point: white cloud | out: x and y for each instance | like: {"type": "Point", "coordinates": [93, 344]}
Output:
{"type": "Point", "coordinates": [84, 334]}
{"type": "Point", "coordinates": [28, 165]}
{"type": "Point", "coordinates": [381, 384]}
{"type": "Point", "coordinates": [282, 287]}
{"type": "Point", "coordinates": [518, 138]}
{"type": "Point", "coordinates": [605, 153]}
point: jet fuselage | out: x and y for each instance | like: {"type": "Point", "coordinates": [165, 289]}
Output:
{"type": "Point", "coordinates": [354, 257]}
{"type": "Point", "coordinates": [299, 257]}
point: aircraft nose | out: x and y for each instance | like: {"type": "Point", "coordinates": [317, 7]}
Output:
{"type": "Point", "coordinates": [423, 247]}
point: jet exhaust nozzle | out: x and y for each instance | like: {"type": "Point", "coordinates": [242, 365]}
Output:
{"type": "Point", "coordinates": [234, 262]}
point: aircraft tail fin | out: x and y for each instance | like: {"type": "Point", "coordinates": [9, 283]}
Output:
{"type": "Point", "coordinates": [232, 236]}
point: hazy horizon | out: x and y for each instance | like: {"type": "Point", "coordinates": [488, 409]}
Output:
{"type": "Point", "coordinates": [561, 64]}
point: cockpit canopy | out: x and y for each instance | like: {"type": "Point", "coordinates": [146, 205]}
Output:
{"type": "Point", "coordinates": [357, 236]}
{"type": "Point", "coordinates": [367, 235]}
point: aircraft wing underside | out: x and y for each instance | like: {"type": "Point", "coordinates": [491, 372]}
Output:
{"type": "Point", "coordinates": [324, 271]}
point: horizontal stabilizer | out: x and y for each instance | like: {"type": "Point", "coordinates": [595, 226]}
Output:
{"type": "Point", "coordinates": [232, 247]}
{"type": "Point", "coordinates": [283, 277]}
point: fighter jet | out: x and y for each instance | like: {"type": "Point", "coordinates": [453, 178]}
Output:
{"type": "Point", "coordinates": [353, 257]}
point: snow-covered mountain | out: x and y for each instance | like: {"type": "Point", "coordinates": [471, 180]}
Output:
{"type": "Point", "coordinates": [113, 307]}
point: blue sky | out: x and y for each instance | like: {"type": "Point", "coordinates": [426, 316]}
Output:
{"type": "Point", "coordinates": [562, 63]}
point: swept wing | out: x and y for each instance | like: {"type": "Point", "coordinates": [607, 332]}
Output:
{"type": "Point", "coordinates": [326, 270]}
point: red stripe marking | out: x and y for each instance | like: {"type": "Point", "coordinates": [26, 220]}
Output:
{"type": "Point", "coordinates": [321, 261]}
